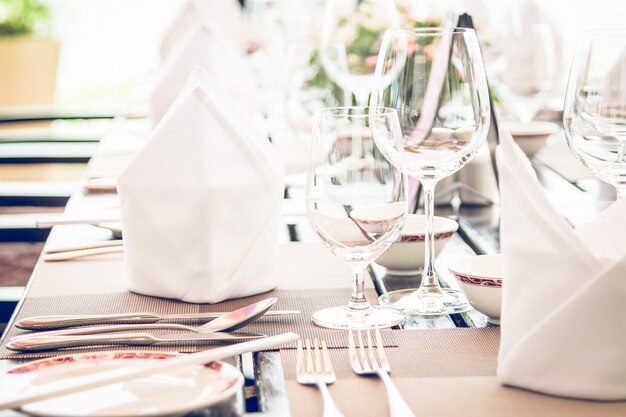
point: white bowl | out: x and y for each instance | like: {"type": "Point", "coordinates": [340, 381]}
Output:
{"type": "Point", "coordinates": [406, 255]}
{"type": "Point", "coordinates": [481, 281]}
{"type": "Point", "coordinates": [530, 136]}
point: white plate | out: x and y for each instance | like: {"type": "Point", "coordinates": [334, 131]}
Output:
{"type": "Point", "coordinates": [177, 392]}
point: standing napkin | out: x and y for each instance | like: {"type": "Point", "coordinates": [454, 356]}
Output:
{"type": "Point", "coordinates": [224, 16]}
{"type": "Point", "coordinates": [201, 204]}
{"type": "Point", "coordinates": [206, 48]}
{"type": "Point", "coordinates": [564, 298]}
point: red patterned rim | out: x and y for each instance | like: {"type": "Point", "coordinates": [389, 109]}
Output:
{"type": "Point", "coordinates": [421, 238]}
{"type": "Point", "coordinates": [479, 281]}
{"type": "Point", "coordinates": [45, 363]}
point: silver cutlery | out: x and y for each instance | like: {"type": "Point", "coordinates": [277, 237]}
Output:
{"type": "Point", "coordinates": [367, 360]}
{"type": "Point", "coordinates": [78, 384]}
{"type": "Point", "coordinates": [61, 322]}
{"type": "Point", "coordinates": [81, 253]}
{"type": "Point", "coordinates": [315, 368]}
{"type": "Point", "coordinates": [224, 323]}
{"type": "Point", "coordinates": [41, 343]}
{"type": "Point", "coordinates": [94, 245]}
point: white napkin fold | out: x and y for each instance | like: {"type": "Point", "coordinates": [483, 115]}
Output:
{"type": "Point", "coordinates": [201, 204]}
{"type": "Point", "coordinates": [223, 15]}
{"type": "Point", "coordinates": [206, 48]}
{"type": "Point", "coordinates": [528, 32]}
{"type": "Point", "coordinates": [564, 295]}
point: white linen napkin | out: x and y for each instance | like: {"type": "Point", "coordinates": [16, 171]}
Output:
{"type": "Point", "coordinates": [205, 48]}
{"type": "Point", "coordinates": [564, 296]}
{"type": "Point", "coordinates": [530, 63]}
{"type": "Point", "coordinates": [201, 204]}
{"type": "Point", "coordinates": [223, 15]}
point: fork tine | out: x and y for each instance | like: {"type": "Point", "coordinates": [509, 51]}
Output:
{"type": "Point", "coordinates": [318, 357]}
{"type": "Point", "coordinates": [300, 368]}
{"type": "Point", "coordinates": [309, 357]}
{"type": "Point", "coordinates": [382, 356]}
{"type": "Point", "coordinates": [354, 357]}
{"type": "Point", "coordinates": [370, 351]}
{"type": "Point", "coordinates": [364, 361]}
{"type": "Point", "coordinates": [328, 365]}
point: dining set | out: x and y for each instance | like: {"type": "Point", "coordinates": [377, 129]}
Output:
{"type": "Point", "coordinates": [192, 273]}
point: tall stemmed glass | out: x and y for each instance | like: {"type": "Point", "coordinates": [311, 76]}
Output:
{"type": "Point", "coordinates": [594, 116]}
{"type": "Point", "coordinates": [442, 100]}
{"type": "Point", "coordinates": [356, 203]}
{"type": "Point", "coordinates": [350, 39]}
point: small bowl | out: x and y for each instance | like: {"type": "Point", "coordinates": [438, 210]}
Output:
{"type": "Point", "coordinates": [406, 255]}
{"type": "Point", "coordinates": [481, 281]}
{"type": "Point", "coordinates": [530, 136]}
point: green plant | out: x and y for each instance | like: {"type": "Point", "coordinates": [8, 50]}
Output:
{"type": "Point", "coordinates": [23, 17]}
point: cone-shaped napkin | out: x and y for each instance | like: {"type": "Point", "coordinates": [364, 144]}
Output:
{"type": "Point", "coordinates": [564, 295]}
{"type": "Point", "coordinates": [224, 16]}
{"type": "Point", "coordinates": [201, 205]}
{"type": "Point", "coordinates": [205, 48]}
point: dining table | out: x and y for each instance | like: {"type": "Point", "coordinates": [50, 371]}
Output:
{"type": "Point", "coordinates": [442, 365]}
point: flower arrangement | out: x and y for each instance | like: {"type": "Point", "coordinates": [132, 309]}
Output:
{"type": "Point", "coordinates": [361, 33]}
{"type": "Point", "coordinates": [23, 17]}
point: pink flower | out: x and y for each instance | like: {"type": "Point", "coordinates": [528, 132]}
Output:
{"type": "Point", "coordinates": [411, 49]}
{"type": "Point", "coordinates": [370, 62]}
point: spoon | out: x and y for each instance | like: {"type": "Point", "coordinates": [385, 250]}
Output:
{"type": "Point", "coordinates": [227, 322]}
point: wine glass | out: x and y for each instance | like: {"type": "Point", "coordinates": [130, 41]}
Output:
{"type": "Point", "coordinates": [594, 116]}
{"type": "Point", "coordinates": [529, 71]}
{"type": "Point", "coordinates": [356, 204]}
{"type": "Point", "coordinates": [350, 39]}
{"type": "Point", "coordinates": [442, 99]}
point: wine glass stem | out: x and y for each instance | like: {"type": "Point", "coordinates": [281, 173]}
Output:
{"type": "Point", "coordinates": [357, 299]}
{"type": "Point", "coordinates": [429, 276]}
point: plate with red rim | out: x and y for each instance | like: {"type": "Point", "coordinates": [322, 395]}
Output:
{"type": "Point", "coordinates": [171, 393]}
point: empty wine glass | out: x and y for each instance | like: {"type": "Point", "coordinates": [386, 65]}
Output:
{"type": "Point", "coordinates": [594, 115]}
{"type": "Point", "coordinates": [351, 35]}
{"type": "Point", "coordinates": [442, 99]}
{"type": "Point", "coordinates": [356, 204]}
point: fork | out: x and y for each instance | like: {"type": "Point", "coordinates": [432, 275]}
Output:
{"type": "Point", "coordinates": [311, 371]}
{"type": "Point", "coordinates": [365, 361]}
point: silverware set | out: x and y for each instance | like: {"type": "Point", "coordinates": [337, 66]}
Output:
{"type": "Point", "coordinates": [80, 331]}
{"type": "Point", "coordinates": [314, 367]}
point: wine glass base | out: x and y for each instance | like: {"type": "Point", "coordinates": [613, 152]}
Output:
{"type": "Point", "coordinates": [344, 318]}
{"type": "Point", "coordinates": [443, 301]}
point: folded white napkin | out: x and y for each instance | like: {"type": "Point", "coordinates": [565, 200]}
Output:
{"type": "Point", "coordinates": [206, 48]}
{"type": "Point", "coordinates": [223, 15]}
{"type": "Point", "coordinates": [564, 296]}
{"type": "Point", "coordinates": [201, 204]}
{"type": "Point", "coordinates": [533, 46]}
{"type": "Point", "coordinates": [615, 82]}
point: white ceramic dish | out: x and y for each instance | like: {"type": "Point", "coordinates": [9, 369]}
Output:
{"type": "Point", "coordinates": [481, 280]}
{"type": "Point", "coordinates": [158, 395]}
{"type": "Point", "coordinates": [406, 255]}
{"type": "Point", "coordinates": [530, 136]}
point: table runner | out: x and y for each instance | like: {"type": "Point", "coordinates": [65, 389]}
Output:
{"type": "Point", "coordinates": [424, 353]}
{"type": "Point", "coordinates": [307, 301]}
{"type": "Point", "coordinates": [440, 372]}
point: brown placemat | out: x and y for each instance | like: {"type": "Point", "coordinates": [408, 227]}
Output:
{"type": "Point", "coordinates": [306, 301]}
{"type": "Point", "coordinates": [425, 353]}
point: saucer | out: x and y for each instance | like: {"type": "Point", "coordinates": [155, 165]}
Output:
{"type": "Point", "coordinates": [177, 392]}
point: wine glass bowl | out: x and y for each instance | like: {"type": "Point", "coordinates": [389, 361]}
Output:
{"type": "Point", "coordinates": [594, 116]}
{"type": "Point", "coordinates": [436, 81]}
{"type": "Point", "coordinates": [356, 203]}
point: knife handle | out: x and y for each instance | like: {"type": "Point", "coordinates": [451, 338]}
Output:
{"type": "Point", "coordinates": [40, 343]}
{"type": "Point", "coordinates": [58, 322]}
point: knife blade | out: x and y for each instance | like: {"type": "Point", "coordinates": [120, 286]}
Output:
{"type": "Point", "coordinates": [42, 343]}
{"type": "Point", "coordinates": [63, 321]}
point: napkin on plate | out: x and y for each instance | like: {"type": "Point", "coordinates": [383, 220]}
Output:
{"type": "Point", "coordinates": [223, 15]}
{"type": "Point", "coordinates": [564, 297]}
{"type": "Point", "coordinates": [206, 48]}
{"type": "Point", "coordinates": [201, 204]}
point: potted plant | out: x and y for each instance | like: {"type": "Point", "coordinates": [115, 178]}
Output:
{"type": "Point", "coordinates": [29, 59]}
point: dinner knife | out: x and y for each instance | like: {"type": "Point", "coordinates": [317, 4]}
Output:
{"type": "Point", "coordinates": [63, 321]}
{"type": "Point", "coordinates": [41, 343]}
